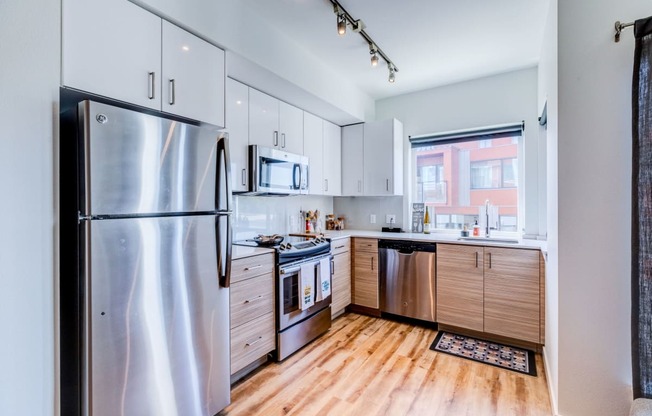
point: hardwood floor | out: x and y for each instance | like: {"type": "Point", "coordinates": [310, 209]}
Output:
{"type": "Point", "coordinates": [370, 366]}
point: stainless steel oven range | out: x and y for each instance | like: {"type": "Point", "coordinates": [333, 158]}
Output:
{"type": "Point", "coordinates": [297, 323]}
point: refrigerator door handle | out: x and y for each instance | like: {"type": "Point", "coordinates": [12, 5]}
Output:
{"type": "Point", "coordinates": [223, 169]}
{"type": "Point", "coordinates": [224, 254]}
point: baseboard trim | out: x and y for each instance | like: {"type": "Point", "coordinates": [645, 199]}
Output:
{"type": "Point", "coordinates": [553, 399]}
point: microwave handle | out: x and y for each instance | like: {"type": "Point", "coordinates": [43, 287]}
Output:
{"type": "Point", "coordinates": [296, 182]}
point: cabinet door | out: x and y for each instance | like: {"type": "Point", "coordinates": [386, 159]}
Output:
{"type": "Point", "coordinates": [291, 128]}
{"type": "Point", "coordinates": [511, 293]}
{"type": "Point", "coordinates": [263, 119]}
{"type": "Point", "coordinates": [460, 286]}
{"type": "Point", "coordinates": [312, 147]}
{"type": "Point", "coordinates": [378, 158]}
{"type": "Point", "coordinates": [365, 272]}
{"type": "Point", "coordinates": [112, 48]}
{"type": "Point", "coordinates": [352, 160]}
{"type": "Point", "coordinates": [237, 124]}
{"type": "Point", "coordinates": [332, 159]}
{"type": "Point", "coordinates": [193, 76]}
{"type": "Point", "coordinates": [341, 282]}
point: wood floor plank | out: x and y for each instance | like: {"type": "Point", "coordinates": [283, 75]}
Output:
{"type": "Point", "coordinates": [371, 366]}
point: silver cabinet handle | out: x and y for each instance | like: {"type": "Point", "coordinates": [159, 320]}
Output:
{"type": "Point", "coordinates": [171, 84]}
{"type": "Point", "coordinates": [338, 247]}
{"type": "Point", "coordinates": [326, 185]}
{"type": "Point", "coordinates": [256, 341]}
{"type": "Point", "coordinates": [151, 89]}
{"type": "Point", "coordinates": [283, 141]}
{"type": "Point", "coordinates": [244, 177]}
{"type": "Point", "coordinates": [275, 138]}
{"type": "Point", "coordinates": [387, 184]}
{"type": "Point", "coordinates": [332, 267]}
{"type": "Point", "coordinates": [359, 186]}
{"type": "Point", "coordinates": [259, 297]}
{"type": "Point", "coordinates": [253, 267]}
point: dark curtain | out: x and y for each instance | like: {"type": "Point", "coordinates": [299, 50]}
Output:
{"type": "Point", "coordinates": [642, 211]}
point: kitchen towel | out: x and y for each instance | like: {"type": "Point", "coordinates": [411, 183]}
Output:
{"type": "Point", "coordinates": [325, 279]}
{"type": "Point", "coordinates": [306, 286]}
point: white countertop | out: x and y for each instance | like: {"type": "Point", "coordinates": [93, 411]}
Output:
{"type": "Point", "coordinates": [436, 238]}
{"type": "Point", "coordinates": [240, 252]}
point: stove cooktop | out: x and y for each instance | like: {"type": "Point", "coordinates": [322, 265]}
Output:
{"type": "Point", "coordinates": [294, 248]}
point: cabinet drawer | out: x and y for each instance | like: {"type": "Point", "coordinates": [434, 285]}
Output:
{"type": "Point", "coordinates": [365, 244]}
{"type": "Point", "coordinates": [340, 246]}
{"type": "Point", "coordinates": [251, 298]}
{"type": "Point", "coordinates": [252, 341]}
{"type": "Point", "coordinates": [248, 267]}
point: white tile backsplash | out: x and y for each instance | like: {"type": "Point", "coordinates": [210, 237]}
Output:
{"type": "Point", "coordinates": [357, 210]}
{"type": "Point", "coordinates": [255, 215]}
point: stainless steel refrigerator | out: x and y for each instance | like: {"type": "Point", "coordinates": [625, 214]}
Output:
{"type": "Point", "coordinates": [145, 272]}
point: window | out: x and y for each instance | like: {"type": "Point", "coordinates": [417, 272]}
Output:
{"type": "Point", "coordinates": [455, 173]}
{"type": "Point", "coordinates": [486, 174]}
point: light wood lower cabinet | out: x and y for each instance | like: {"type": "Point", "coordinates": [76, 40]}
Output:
{"type": "Point", "coordinates": [489, 289]}
{"type": "Point", "coordinates": [252, 310]}
{"type": "Point", "coordinates": [365, 272]}
{"type": "Point", "coordinates": [460, 280]}
{"type": "Point", "coordinates": [511, 293]}
{"type": "Point", "coordinates": [341, 292]}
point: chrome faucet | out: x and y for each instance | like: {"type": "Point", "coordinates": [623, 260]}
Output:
{"type": "Point", "coordinates": [486, 214]}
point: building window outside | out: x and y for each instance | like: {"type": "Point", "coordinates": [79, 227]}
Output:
{"type": "Point", "coordinates": [487, 174]}
{"type": "Point", "coordinates": [456, 177]}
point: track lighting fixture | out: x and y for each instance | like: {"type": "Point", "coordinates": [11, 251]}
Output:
{"type": "Point", "coordinates": [357, 26]}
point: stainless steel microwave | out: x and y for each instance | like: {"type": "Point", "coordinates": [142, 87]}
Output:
{"type": "Point", "coordinates": [274, 172]}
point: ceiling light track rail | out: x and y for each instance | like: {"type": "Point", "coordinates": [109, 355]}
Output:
{"type": "Point", "coordinates": [344, 18]}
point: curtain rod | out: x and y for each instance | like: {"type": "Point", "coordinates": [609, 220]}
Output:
{"type": "Point", "coordinates": [619, 27]}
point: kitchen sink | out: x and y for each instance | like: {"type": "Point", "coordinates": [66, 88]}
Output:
{"type": "Point", "coordinates": [490, 239]}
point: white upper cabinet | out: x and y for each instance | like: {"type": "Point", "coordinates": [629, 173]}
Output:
{"type": "Point", "coordinates": [116, 49]}
{"type": "Point", "coordinates": [237, 125]}
{"type": "Point", "coordinates": [313, 142]}
{"type": "Point", "coordinates": [193, 76]}
{"type": "Point", "coordinates": [290, 128]}
{"type": "Point", "coordinates": [332, 159]}
{"type": "Point", "coordinates": [275, 124]}
{"type": "Point", "coordinates": [372, 159]}
{"type": "Point", "coordinates": [383, 158]}
{"type": "Point", "coordinates": [352, 158]}
{"type": "Point", "coordinates": [112, 48]}
{"type": "Point", "coordinates": [263, 119]}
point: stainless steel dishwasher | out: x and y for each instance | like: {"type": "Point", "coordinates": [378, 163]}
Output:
{"type": "Point", "coordinates": [407, 278]}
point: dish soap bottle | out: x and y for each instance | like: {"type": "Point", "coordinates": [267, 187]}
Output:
{"type": "Point", "coordinates": [426, 222]}
{"type": "Point", "coordinates": [476, 229]}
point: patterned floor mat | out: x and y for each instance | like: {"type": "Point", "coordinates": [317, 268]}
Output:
{"type": "Point", "coordinates": [499, 355]}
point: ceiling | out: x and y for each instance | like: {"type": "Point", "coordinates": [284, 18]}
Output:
{"type": "Point", "coordinates": [432, 42]}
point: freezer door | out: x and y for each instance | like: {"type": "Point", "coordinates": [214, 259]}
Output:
{"type": "Point", "coordinates": [134, 163]}
{"type": "Point", "coordinates": [157, 341]}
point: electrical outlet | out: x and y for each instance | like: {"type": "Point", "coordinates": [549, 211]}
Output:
{"type": "Point", "coordinates": [372, 219]}
{"type": "Point", "coordinates": [390, 219]}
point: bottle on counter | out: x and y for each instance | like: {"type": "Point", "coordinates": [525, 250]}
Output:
{"type": "Point", "coordinates": [476, 229]}
{"type": "Point", "coordinates": [426, 222]}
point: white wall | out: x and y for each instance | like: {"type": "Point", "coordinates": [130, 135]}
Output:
{"type": "Point", "coordinates": [548, 93]}
{"type": "Point", "coordinates": [594, 162]}
{"type": "Point", "coordinates": [505, 98]}
{"type": "Point", "coordinates": [29, 79]}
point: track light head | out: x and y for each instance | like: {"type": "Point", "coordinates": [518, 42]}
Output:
{"type": "Point", "coordinates": [341, 24]}
{"type": "Point", "coordinates": [373, 50]}
{"type": "Point", "coordinates": [392, 73]}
